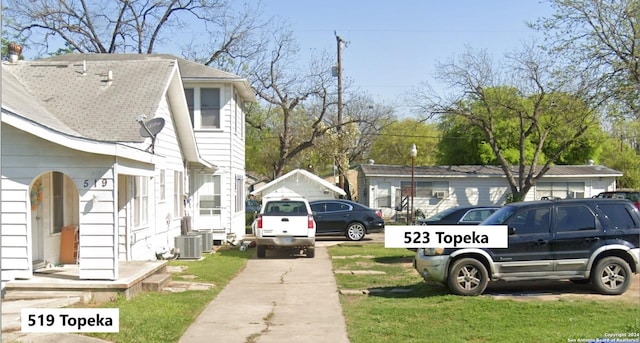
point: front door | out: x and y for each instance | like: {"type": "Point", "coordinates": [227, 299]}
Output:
{"type": "Point", "coordinates": [529, 248]}
{"type": "Point", "coordinates": [207, 207]}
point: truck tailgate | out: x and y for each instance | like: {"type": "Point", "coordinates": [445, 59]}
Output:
{"type": "Point", "coordinates": [286, 225]}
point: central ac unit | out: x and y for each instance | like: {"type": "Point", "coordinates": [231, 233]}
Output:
{"type": "Point", "coordinates": [190, 246]}
{"type": "Point", "coordinates": [207, 239]}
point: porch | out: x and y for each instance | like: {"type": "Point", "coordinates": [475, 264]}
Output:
{"type": "Point", "coordinates": [64, 282]}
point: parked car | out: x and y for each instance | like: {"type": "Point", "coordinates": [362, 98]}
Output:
{"type": "Point", "coordinates": [465, 215]}
{"type": "Point", "coordinates": [345, 217]}
{"type": "Point", "coordinates": [583, 240]}
{"type": "Point", "coordinates": [634, 196]}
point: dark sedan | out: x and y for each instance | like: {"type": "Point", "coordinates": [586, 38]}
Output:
{"type": "Point", "coordinates": [345, 217]}
{"type": "Point", "coordinates": [466, 215]}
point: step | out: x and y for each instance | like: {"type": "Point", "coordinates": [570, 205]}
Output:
{"type": "Point", "coordinates": [156, 281]}
{"type": "Point", "coordinates": [19, 294]}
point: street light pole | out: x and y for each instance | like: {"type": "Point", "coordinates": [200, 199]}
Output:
{"type": "Point", "coordinates": [414, 153]}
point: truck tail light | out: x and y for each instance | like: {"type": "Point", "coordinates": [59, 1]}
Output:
{"type": "Point", "coordinates": [310, 223]}
{"type": "Point", "coordinates": [259, 221]}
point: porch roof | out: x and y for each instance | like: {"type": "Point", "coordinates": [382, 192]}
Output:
{"type": "Point", "coordinates": [556, 171]}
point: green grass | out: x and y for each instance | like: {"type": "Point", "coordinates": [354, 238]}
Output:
{"type": "Point", "coordinates": [163, 317]}
{"type": "Point", "coordinates": [429, 313]}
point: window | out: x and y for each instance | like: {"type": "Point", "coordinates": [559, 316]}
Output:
{"type": "Point", "coordinates": [531, 221]}
{"type": "Point", "coordinates": [178, 191]}
{"type": "Point", "coordinates": [140, 200]}
{"type": "Point", "coordinates": [619, 216]}
{"type": "Point", "coordinates": [204, 107]}
{"type": "Point", "coordinates": [575, 218]}
{"type": "Point", "coordinates": [209, 195]}
{"type": "Point", "coordinates": [562, 190]}
{"type": "Point", "coordinates": [58, 202]}
{"type": "Point", "coordinates": [318, 207]}
{"type": "Point", "coordinates": [162, 186]}
{"type": "Point", "coordinates": [189, 93]}
{"type": "Point", "coordinates": [239, 193]}
{"type": "Point", "coordinates": [337, 207]}
{"type": "Point", "coordinates": [476, 216]}
{"type": "Point", "coordinates": [424, 189]}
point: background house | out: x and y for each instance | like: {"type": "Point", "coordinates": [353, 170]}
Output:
{"type": "Point", "coordinates": [299, 182]}
{"type": "Point", "coordinates": [76, 158]}
{"type": "Point", "coordinates": [441, 187]}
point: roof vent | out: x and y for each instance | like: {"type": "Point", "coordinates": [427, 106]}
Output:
{"type": "Point", "coordinates": [591, 162]}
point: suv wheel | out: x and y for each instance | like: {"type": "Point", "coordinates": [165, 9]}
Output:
{"type": "Point", "coordinates": [468, 276]}
{"type": "Point", "coordinates": [355, 231]}
{"type": "Point", "coordinates": [311, 252]}
{"type": "Point", "coordinates": [612, 276]}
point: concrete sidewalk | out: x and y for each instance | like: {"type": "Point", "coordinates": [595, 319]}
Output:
{"type": "Point", "coordinates": [280, 298]}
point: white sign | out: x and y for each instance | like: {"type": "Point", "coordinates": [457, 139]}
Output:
{"type": "Point", "coordinates": [446, 236]}
{"type": "Point", "coordinates": [70, 320]}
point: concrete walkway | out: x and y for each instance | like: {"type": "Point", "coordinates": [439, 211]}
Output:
{"type": "Point", "coordinates": [281, 298]}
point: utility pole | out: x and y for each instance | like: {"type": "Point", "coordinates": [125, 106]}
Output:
{"type": "Point", "coordinates": [341, 181]}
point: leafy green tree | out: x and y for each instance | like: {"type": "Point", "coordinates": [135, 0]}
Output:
{"type": "Point", "coordinates": [528, 119]}
{"type": "Point", "coordinates": [460, 142]}
{"type": "Point", "coordinates": [394, 142]}
{"type": "Point", "coordinates": [617, 154]}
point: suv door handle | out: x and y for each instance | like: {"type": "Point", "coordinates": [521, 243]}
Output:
{"type": "Point", "coordinates": [285, 219]}
{"type": "Point", "coordinates": [592, 239]}
{"type": "Point", "coordinates": [540, 242]}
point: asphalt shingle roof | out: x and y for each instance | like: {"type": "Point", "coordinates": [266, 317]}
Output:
{"type": "Point", "coordinates": [481, 171]}
{"type": "Point", "coordinates": [79, 98]}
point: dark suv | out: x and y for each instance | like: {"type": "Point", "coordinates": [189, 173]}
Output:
{"type": "Point", "coordinates": [583, 240]}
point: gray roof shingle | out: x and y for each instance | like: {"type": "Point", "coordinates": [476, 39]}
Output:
{"type": "Point", "coordinates": [87, 103]}
{"type": "Point", "coordinates": [482, 171]}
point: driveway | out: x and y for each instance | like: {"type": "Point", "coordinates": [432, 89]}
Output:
{"type": "Point", "coordinates": [280, 298]}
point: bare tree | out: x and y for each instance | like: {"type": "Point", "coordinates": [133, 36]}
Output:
{"type": "Point", "coordinates": [601, 38]}
{"type": "Point", "coordinates": [134, 26]}
{"type": "Point", "coordinates": [521, 106]}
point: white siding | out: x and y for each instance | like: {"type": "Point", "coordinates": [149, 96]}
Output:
{"type": "Point", "coordinates": [226, 149]}
{"type": "Point", "coordinates": [25, 158]}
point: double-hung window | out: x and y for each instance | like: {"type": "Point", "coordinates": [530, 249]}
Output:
{"type": "Point", "coordinates": [204, 107]}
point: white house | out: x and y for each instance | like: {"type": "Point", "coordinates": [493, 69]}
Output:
{"type": "Point", "coordinates": [441, 187]}
{"type": "Point", "coordinates": [300, 182]}
{"type": "Point", "coordinates": [83, 178]}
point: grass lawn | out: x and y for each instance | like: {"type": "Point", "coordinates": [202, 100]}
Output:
{"type": "Point", "coordinates": [429, 313]}
{"type": "Point", "coordinates": [163, 317]}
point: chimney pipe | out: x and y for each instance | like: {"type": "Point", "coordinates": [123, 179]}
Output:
{"type": "Point", "coordinates": [15, 50]}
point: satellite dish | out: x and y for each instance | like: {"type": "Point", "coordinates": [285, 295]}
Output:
{"type": "Point", "coordinates": [152, 127]}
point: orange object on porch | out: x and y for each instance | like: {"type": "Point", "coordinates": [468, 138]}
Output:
{"type": "Point", "coordinates": [69, 245]}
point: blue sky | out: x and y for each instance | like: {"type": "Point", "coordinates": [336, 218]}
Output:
{"type": "Point", "coordinates": [394, 45]}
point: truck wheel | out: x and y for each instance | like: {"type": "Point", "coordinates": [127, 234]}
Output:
{"type": "Point", "coordinates": [468, 276]}
{"type": "Point", "coordinates": [355, 231]}
{"type": "Point", "coordinates": [611, 276]}
{"type": "Point", "coordinates": [262, 251]}
{"type": "Point", "coordinates": [311, 252]}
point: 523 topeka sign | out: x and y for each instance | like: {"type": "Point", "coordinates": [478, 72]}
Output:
{"type": "Point", "coordinates": [446, 236]}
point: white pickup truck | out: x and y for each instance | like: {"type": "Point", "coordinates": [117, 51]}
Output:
{"type": "Point", "coordinates": [285, 222]}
